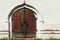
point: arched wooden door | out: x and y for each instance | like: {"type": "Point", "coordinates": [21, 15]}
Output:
{"type": "Point", "coordinates": [23, 23]}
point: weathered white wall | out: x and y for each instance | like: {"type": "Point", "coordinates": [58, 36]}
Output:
{"type": "Point", "coordinates": [50, 9]}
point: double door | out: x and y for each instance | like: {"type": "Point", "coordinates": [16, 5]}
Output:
{"type": "Point", "coordinates": [23, 23]}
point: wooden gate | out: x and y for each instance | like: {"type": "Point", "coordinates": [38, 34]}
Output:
{"type": "Point", "coordinates": [24, 23]}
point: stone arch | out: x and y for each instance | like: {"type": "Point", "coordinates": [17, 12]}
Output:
{"type": "Point", "coordinates": [17, 10]}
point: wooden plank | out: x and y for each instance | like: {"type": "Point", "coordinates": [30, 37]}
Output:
{"type": "Point", "coordinates": [4, 31]}
{"type": "Point", "coordinates": [50, 33]}
{"type": "Point", "coordinates": [49, 30]}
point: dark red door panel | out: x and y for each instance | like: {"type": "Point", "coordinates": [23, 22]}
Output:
{"type": "Point", "coordinates": [24, 26]}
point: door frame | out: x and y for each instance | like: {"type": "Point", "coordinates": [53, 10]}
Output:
{"type": "Point", "coordinates": [10, 15]}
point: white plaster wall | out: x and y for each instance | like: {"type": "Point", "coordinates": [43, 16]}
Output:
{"type": "Point", "coordinates": [50, 9]}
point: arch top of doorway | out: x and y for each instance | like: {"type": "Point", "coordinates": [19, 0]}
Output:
{"type": "Point", "coordinates": [19, 6]}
